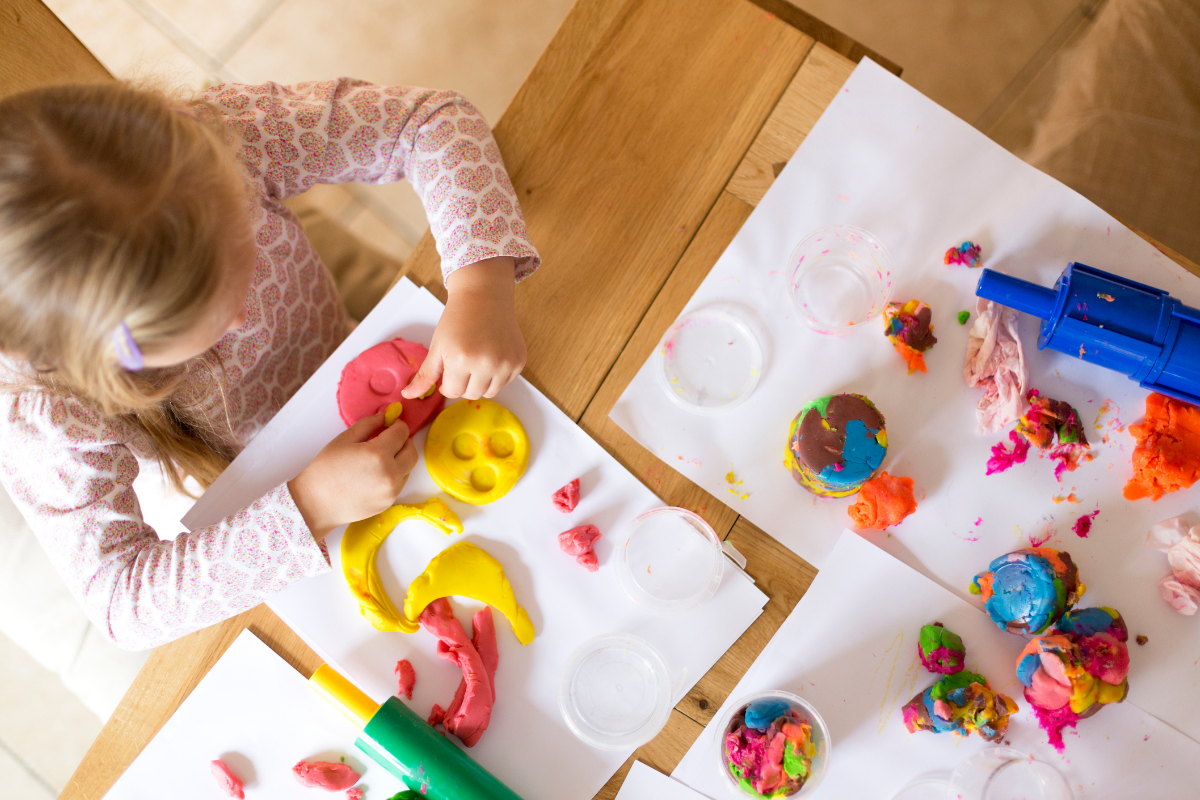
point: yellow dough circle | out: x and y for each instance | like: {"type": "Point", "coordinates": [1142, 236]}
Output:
{"type": "Point", "coordinates": [476, 451]}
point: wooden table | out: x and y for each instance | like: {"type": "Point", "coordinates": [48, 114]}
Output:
{"type": "Point", "coordinates": [639, 144]}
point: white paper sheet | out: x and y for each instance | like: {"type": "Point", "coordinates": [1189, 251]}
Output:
{"type": "Point", "coordinates": [889, 160]}
{"type": "Point", "coordinates": [257, 714]}
{"type": "Point", "coordinates": [528, 745]}
{"type": "Point", "coordinates": [850, 648]}
{"type": "Point", "coordinates": [647, 783]}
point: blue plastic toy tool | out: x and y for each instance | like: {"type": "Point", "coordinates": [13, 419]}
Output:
{"type": "Point", "coordinates": [1112, 321]}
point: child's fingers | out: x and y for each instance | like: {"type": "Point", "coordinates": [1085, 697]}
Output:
{"type": "Point", "coordinates": [477, 386]}
{"type": "Point", "coordinates": [454, 382]}
{"type": "Point", "coordinates": [361, 431]}
{"type": "Point", "coordinates": [495, 387]}
{"type": "Point", "coordinates": [406, 459]}
{"type": "Point", "coordinates": [393, 438]}
{"type": "Point", "coordinates": [425, 378]}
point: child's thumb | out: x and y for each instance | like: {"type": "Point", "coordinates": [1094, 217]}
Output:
{"type": "Point", "coordinates": [362, 430]}
{"type": "Point", "coordinates": [426, 377]}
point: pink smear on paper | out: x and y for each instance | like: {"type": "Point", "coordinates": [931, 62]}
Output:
{"type": "Point", "coordinates": [1083, 525]}
{"type": "Point", "coordinates": [978, 521]}
{"type": "Point", "coordinates": [1003, 459]}
{"type": "Point", "coordinates": [406, 677]}
{"type": "Point", "coordinates": [1046, 535]}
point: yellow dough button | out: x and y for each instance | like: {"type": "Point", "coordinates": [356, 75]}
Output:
{"type": "Point", "coordinates": [476, 451]}
{"type": "Point", "coordinates": [392, 413]}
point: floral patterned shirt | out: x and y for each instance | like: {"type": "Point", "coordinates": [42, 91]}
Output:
{"type": "Point", "coordinates": [70, 469]}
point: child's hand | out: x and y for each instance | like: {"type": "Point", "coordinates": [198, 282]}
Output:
{"type": "Point", "coordinates": [353, 478]}
{"type": "Point", "coordinates": [477, 347]}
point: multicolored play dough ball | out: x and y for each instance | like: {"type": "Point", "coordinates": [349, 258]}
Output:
{"type": "Point", "coordinates": [1026, 591]}
{"type": "Point", "coordinates": [835, 444]}
{"type": "Point", "coordinates": [1079, 666]}
{"type": "Point", "coordinates": [371, 383]}
{"type": "Point", "coordinates": [963, 704]}
{"type": "Point", "coordinates": [769, 748]}
{"type": "Point", "coordinates": [941, 650]}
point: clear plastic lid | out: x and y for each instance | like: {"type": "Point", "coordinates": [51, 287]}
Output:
{"type": "Point", "coordinates": [925, 789]}
{"type": "Point", "coordinates": [710, 361]}
{"type": "Point", "coordinates": [805, 711]}
{"type": "Point", "coordinates": [1003, 773]}
{"type": "Point", "coordinates": [839, 277]}
{"type": "Point", "coordinates": [671, 561]}
{"type": "Point", "coordinates": [615, 692]}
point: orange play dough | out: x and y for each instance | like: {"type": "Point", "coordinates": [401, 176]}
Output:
{"type": "Point", "coordinates": [883, 501]}
{"type": "Point", "coordinates": [1167, 456]}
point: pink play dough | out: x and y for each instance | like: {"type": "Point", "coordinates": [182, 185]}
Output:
{"type": "Point", "coordinates": [407, 678]}
{"type": "Point", "coordinates": [471, 710]}
{"type": "Point", "coordinates": [354, 794]}
{"type": "Point", "coordinates": [374, 380]}
{"type": "Point", "coordinates": [230, 784]}
{"type": "Point", "coordinates": [566, 498]}
{"type": "Point", "coordinates": [580, 542]}
{"type": "Point", "coordinates": [325, 775]}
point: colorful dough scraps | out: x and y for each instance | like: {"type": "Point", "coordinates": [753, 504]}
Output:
{"type": "Point", "coordinates": [580, 542]}
{"type": "Point", "coordinates": [835, 445]}
{"type": "Point", "coordinates": [467, 571]}
{"type": "Point", "coordinates": [909, 328]}
{"type": "Point", "coordinates": [769, 748]}
{"type": "Point", "coordinates": [476, 451]}
{"type": "Point", "coordinates": [230, 784]}
{"type": "Point", "coordinates": [327, 775]}
{"type": "Point", "coordinates": [566, 498]}
{"type": "Point", "coordinates": [941, 650]}
{"type": "Point", "coordinates": [1079, 666]}
{"type": "Point", "coordinates": [1003, 459]}
{"type": "Point", "coordinates": [961, 703]}
{"type": "Point", "coordinates": [967, 253]}
{"type": "Point", "coordinates": [1181, 588]}
{"type": "Point", "coordinates": [470, 711]}
{"type": "Point", "coordinates": [996, 364]}
{"type": "Point", "coordinates": [406, 678]}
{"type": "Point", "coordinates": [1054, 427]}
{"type": "Point", "coordinates": [1026, 591]}
{"type": "Point", "coordinates": [360, 546]}
{"type": "Point", "coordinates": [883, 501]}
{"type": "Point", "coordinates": [1167, 456]}
{"type": "Point", "coordinates": [373, 381]}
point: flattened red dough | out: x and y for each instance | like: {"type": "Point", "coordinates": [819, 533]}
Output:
{"type": "Point", "coordinates": [230, 784]}
{"type": "Point", "coordinates": [406, 676]}
{"type": "Point", "coordinates": [375, 379]}
{"type": "Point", "coordinates": [327, 775]}
{"type": "Point", "coordinates": [566, 498]}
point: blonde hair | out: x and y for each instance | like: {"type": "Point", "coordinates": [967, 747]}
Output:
{"type": "Point", "coordinates": [112, 205]}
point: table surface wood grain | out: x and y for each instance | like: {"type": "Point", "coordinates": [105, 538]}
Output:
{"type": "Point", "coordinates": [639, 144]}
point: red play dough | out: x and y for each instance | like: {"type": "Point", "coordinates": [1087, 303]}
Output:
{"type": "Point", "coordinates": [375, 379]}
{"type": "Point", "coordinates": [580, 542]}
{"type": "Point", "coordinates": [406, 676]}
{"type": "Point", "coordinates": [354, 794]}
{"type": "Point", "coordinates": [230, 784]}
{"type": "Point", "coordinates": [566, 498]}
{"type": "Point", "coordinates": [325, 775]}
{"type": "Point", "coordinates": [471, 710]}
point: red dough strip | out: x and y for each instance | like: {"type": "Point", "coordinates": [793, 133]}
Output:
{"type": "Point", "coordinates": [406, 677]}
{"type": "Point", "coordinates": [374, 380]}
{"type": "Point", "coordinates": [325, 775]}
{"type": "Point", "coordinates": [470, 719]}
{"type": "Point", "coordinates": [484, 641]}
{"type": "Point", "coordinates": [230, 784]}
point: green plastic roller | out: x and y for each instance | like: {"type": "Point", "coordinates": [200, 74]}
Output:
{"type": "Point", "coordinates": [429, 764]}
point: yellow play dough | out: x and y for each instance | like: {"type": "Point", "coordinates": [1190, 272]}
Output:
{"type": "Point", "coordinates": [476, 451]}
{"type": "Point", "coordinates": [360, 545]}
{"type": "Point", "coordinates": [465, 570]}
{"type": "Point", "coordinates": [392, 413]}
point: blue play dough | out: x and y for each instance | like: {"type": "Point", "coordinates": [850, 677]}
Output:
{"type": "Point", "coordinates": [1085, 621]}
{"type": "Point", "coordinates": [861, 456]}
{"type": "Point", "coordinates": [1027, 666]}
{"type": "Point", "coordinates": [761, 713]}
{"type": "Point", "coordinates": [1023, 591]}
{"type": "Point", "coordinates": [941, 725]}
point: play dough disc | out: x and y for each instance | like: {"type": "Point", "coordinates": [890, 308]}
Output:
{"type": "Point", "coordinates": [476, 451]}
{"type": "Point", "coordinates": [374, 380]}
{"type": "Point", "coordinates": [835, 445]}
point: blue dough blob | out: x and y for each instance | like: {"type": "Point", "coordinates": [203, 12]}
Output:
{"type": "Point", "coordinates": [761, 713]}
{"type": "Point", "coordinates": [861, 456]}
{"type": "Point", "coordinates": [1025, 595]}
{"type": "Point", "coordinates": [941, 725]}
{"type": "Point", "coordinates": [1085, 621]}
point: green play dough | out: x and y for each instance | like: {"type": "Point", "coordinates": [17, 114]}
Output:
{"type": "Point", "coordinates": [959, 680]}
{"type": "Point", "coordinates": [793, 763]}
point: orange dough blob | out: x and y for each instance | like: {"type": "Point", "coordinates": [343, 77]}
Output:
{"type": "Point", "coordinates": [883, 501]}
{"type": "Point", "coordinates": [1167, 456]}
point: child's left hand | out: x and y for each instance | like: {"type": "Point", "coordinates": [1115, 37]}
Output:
{"type": "Point", "coordinates": [477, 348]}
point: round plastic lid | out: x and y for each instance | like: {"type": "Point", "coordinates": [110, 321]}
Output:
{"type": "Point", "coordinates": [671, 562]}
{"type": "Point", "coordinates": [615, 692]}
{"type": "Point", "coordinates": [1002, 773]}
{"type": "Point", "coordinates": [925, 789]}
{"type": "Point", "coordinates": [710, 361]}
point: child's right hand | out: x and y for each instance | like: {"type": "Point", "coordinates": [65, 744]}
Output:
{"type": "Point", "coordinates": [354, 476]}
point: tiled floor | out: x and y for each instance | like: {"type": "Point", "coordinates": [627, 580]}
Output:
{"type": "Point", "coordinates": [962, 53]}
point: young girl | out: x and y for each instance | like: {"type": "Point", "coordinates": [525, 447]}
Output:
{"type": "Point", "coordinates": [159, 303]}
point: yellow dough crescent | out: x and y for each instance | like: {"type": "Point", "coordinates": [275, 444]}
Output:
{"type": "Point", "coordinates": [476, 450]}
{"type": "Point", "coordinates": [467, 571]}
{"type": "Point", "coordinates": [360, 545]}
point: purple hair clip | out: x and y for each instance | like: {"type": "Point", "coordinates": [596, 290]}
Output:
{"type": "Point", "coordinates": [127, 350]}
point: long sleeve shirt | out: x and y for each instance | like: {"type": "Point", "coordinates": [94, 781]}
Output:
{"type": "Point", "coordinates": [70, 469]}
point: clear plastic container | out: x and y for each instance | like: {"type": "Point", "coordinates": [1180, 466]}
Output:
{"type": "Point", "coordinates": [1002, 773]}
{"type": "Point", "coordinates": [615, 692]}
{"type": "Point", "coordinates": [925, 789]}
{"type": "Point", "coordinates": [671, 561]}
{"type": "Point", "coordinates": [840, 277]}
{"type": "Point", "coordinates": [709, 361]}
{"type": "Point", "coordinates": [805, 711]}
